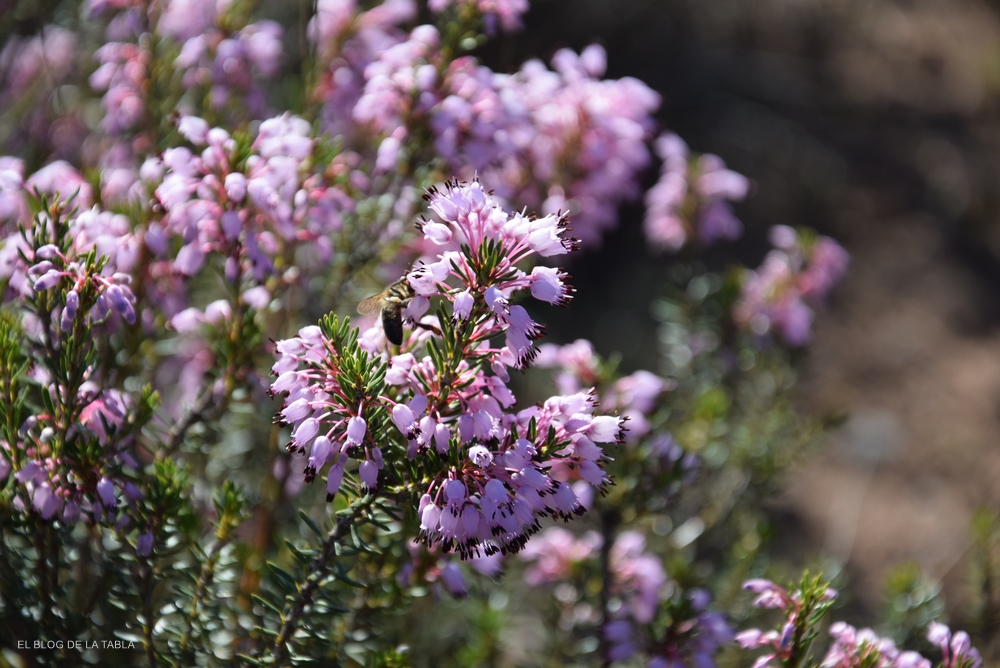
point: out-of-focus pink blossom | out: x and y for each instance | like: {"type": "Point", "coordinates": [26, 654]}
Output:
{"type": "Point", "coordinates": [778, 297]}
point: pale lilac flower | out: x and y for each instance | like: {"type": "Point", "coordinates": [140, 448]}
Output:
{"type": "Point", "coordinates": [194, 129]}
{"type": "Point", "coordinates": [778, 296]}
{"type": "Point", "coordinates": [691, 200]}
{"type": "Point", "coordinates": [61, 178]}
{"type": "Point", "coordinates": [549, 285]}
{"type": "Point", "coordinates": [463, 304]}
{"type": "Point", "coordinates": [106, 490]}
{"type": "Point", "coordinates": [956, 647]}
{"type": "Point", "coordinates": [554, 553]}
{"type": "Point", "coordinates": [144, 544]}
{"type": "Point", "coordinates": [356, 427]}
{"type": "Point", "coordinates": [639, 576]}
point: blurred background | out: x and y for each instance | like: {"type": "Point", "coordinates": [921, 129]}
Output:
{"type": "Point", "coordinates": [875, 122]}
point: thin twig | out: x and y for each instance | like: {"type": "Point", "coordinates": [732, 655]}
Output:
{"type": "Point", "coordinates": [194, 415]}
{"type": "Point", "coordinates": [146, 577]}
{"type": "Point", "coordinates": [317, 572]}
{"type": "Point", "coordinates": [204, 579]}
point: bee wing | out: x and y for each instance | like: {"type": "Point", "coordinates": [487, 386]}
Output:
{"type": "Point", "coordinates": [372, 305]}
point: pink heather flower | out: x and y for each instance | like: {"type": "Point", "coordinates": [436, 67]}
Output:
{"type": "Point", "coordinates": [194, 129]}
{"type": "Point", "coordinates": [368, 473]}
{"type": "Point", "coordinates": [106, 490]}
{"type": "Point", "coordinates": [664, 223]}
{"type": "Point", "coordinates": [45, 500]}
{"type": "Point", "coordinates": [691, 201]}
{"type": "Point", "coordinates": [714, 186]}
{"type": "Point", "coordinates": [356, 427]}
{"type": "Point", "coordinates": [144, 545]}
{"type": "Point", "coordinates": [334, 477]}
{"type": "Point", "coordinates": [403, 418]}
{"type": "Point", "coordinates": [549, 285]}
{"type": "Point", "coordinates": [183, 19]}
{"type": "Point", "coordinates": [267, 206]}
{"type": "Point", "coordinates": [827, 264]}
{"type": "Point", "coordinates": [639, 576]}
{"type": "Point", "coordinates": [777, 296]}
{"type": "Point", "coordinates": [769, 594]}
{"type": "Point", "coordinates": [453, 581]}
{"type": "Point", "coordinates": [755, 638]}
{"type": "Point", "coordinates": [956, 648]}
{"type": "Point", "coordinates": [486, 484]}
{"type": "Point", "coordinates": [104, 409]}
{"type": "Point", "coordinates": [48, 280]}
{"type": "Point", "coordinates": [463, 304]}
{"type": "Point", "coordinates": [305, 432]}
{"type": "Point", "coordinates": [554, 553]}
{"type": "Point", "coordinates": [496, 301]}
{"type": "Point", "coordinates": [233, 64]}
{"type": "Point", "coordinates": [577, 361]}
{"type": "Point", "coordinates": [637, 391]}
{"type": "Point", "coordinates": [474, 218]}
{"type": "Point", "coordinates": [852, 647]}
{"type": "Point", "coordinates": [320, 452]}
{"type": "Point", "coordinates": [48, 56]}
{"type": "Point", "coordinates": [553, 140]}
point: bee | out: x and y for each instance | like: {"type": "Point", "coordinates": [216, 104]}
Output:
{"type": "Point", "coordinates": [390, 304]}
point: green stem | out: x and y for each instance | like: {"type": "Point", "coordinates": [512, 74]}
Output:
{"type": "Point", "coordinates": [204, 580]}
{"type": "Point", "coordinates": [146, 579]}
{"type": "Point", "coordinates": [42, 577]}
{"type": "Point", "coordinates": [318, 570]}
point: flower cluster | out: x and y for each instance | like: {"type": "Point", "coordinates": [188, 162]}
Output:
{"type": "Point", "coordinates": [348, 41]}
{"type": "Point", "coordinates": [956, 648]}
{"type": "Point", "coordinates": [250, 204]}
{"type": "Point", "coordinates": [690, 201]}
{"type": "Point", "coordinates": [121, 76]}
{"type": "Point", "coordinates": [507, 12]}
{"type": "Point", "coordinates": [68, 449]}
{"type": "Point", "coordinates": [58, 485]}
{"type": "Point", "coordinates": [851, 647]}
{"type": "Point", "coordinates": [641, 584]}
{"type": "Point", "coordinates": [799, 611]}
{"type": "Point", "coordinates": [218, 54]}
{"type": "Point", "coordinates": [561, 139]}
{"type": "Point", "coordinates": [97, 255]}
{"type": "Point", "coordinates": [479, 245]}
{"type": "Point", "coordinates": [230, 65]}
{"type": "Point", "coordinates": [576, 365]}
{"type": "Point", "coordinates": [639, 576]}
{"type": "Point", "coordinates": [556, 552]}
{"type": "Point", "coordinates": [112, 293]}
{"type": "Point", "coordinates": [634, 396]}
{"type": "Point", "coordinates": [800, 271]}
{"type": "Point", "coordinates": [31, 68]}
{"type": "Point", "coordinates": [48, 57]}
{"type": "Point", "coordinates": [492, 473]}
{"type": "Point", "coordinates": [640, 590]}
{"type": "Point", "coordinates": [581, 141]}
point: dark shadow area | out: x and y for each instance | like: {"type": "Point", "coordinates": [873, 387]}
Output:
{"type": "Point", "coordinates": [875, 123]}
